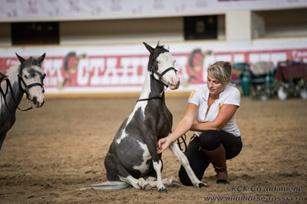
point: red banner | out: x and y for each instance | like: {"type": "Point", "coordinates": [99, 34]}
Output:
{"type": "Point", "coordinates": [121, 72]}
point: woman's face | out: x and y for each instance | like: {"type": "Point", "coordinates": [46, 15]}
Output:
{"type": "Point", "coordinates": [215, 86]}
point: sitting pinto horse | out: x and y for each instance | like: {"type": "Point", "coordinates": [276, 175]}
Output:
{"type": "Point", "coordinates": [24, 78]}
{"type": "Point", "coordinates": [132, 159]}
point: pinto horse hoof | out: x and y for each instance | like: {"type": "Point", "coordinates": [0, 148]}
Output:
{"type": "Point", "coordinates": [202, 184]}
{"type": "Point", "coordinates": [162, 190]}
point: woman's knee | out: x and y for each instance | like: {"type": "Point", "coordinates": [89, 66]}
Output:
{"type": "Point", "coordinates": [233, 150]}
{"type": "Point", "coordinates": [210, 140]}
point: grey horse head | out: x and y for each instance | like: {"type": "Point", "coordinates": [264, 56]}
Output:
{"type": "Point", "coordinates": [31, 77]}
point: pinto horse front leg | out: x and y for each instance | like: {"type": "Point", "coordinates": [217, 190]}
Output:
{"type": "Point", "coordinates": [158, 167]}
{"type": "Point", "coordinates": [157, 163]}
{"type": "Point", "coordinates": [152, 182]}
{"type": "Point", "coordinates": [135, 183]}
{"type": "Point", "coordinates": [185, 163]}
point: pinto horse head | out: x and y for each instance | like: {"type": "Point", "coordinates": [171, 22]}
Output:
{"type": "Point", "coordinates": [31, 77]}
{"type": "Point", "coordinates": [162, 66]}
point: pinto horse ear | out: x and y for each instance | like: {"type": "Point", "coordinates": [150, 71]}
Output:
{"type": "Point", "coordinates": [20, 58]}
{"type": "Point", "coordinates": [148, 47]}
{"type": "Point", "coordinates": [41, 58]}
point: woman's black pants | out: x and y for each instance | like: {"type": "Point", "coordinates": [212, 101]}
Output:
{"type": "Point", "coordinates": [208, 141]}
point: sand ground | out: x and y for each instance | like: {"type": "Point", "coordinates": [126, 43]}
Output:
{"type": "Point", "coordinates": [52, 152]}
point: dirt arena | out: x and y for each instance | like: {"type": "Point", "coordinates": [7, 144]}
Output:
{"type": "Point", "coordinates": [54, 151]}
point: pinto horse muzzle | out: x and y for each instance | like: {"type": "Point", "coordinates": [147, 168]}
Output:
{"type": "Point", "coordinates": [174, 84]}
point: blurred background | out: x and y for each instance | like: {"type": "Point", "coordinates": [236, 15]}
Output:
{"type": "Point", "coordinates": [94, 47]}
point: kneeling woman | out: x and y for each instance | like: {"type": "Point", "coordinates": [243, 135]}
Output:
{"type": "Point", "coordinates": [210, 113]}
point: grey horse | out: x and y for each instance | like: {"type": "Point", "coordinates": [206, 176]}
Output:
{"type": "Point", "coordinates": [27, 77]}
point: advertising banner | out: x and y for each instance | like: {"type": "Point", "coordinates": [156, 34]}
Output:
{"type": "Point", "coordinates": [121, 69]}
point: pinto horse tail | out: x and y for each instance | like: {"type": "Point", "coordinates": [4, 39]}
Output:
{"type": "Point", "coordinates": [108, 185]}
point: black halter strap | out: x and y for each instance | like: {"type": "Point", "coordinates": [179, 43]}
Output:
{"type": "Point", "coordinates": [150, 98]}
{"type": "Point", "coordinates": [27, 87]}
{"type": "Point", "coordinates": [160, 97]}
{"type": "Point", "coordinates": [160, 75]}
{"type": "Point", "coordinates": [165, 71]}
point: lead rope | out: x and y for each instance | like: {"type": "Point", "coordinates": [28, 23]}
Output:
{"type": "Point", "coordinates": [182, 140]}
{"type": "Point", "coordinates": [4, 78]}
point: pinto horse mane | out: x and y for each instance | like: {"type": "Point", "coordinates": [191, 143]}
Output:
{"type": "Point", "coordinates": [155, 53]}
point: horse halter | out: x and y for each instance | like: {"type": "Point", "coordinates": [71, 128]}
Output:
{"type": "Point", "coordinates": [28, 86]}
{"type": "Point", "coordinates": [160, 75]}
{"type": "Point", "coordinates": [9, 87]}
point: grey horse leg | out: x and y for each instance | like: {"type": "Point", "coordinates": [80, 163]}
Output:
{"type": "Point", "coordinates": [2, 137]}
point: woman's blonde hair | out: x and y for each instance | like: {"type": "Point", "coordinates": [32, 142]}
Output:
{"type": "Point", "coordinates": [221, 71]}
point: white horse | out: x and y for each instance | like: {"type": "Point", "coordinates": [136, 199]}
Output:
{"type": "Point", "coordinates": [24, 78]}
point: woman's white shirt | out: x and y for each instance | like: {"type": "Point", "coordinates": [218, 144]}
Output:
{"type": "Point", "coordinates": [230, 95]}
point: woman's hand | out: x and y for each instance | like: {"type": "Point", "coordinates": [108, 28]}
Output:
{"type": "Point", "coordinates": [163, 144]}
